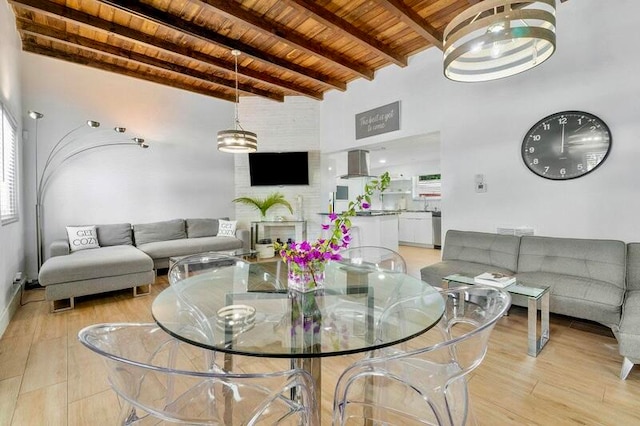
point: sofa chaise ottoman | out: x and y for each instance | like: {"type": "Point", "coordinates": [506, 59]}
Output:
{"type": "Point", "coordinates": [116, 265]}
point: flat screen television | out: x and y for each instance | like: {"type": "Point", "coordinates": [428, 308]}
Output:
{"type": "Point", "coordinates": [279, 168]}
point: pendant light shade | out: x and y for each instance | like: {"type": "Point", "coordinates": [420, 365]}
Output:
{"type": "Point", "coordinates": [237, 140]}
{"type": "Point", "coordinates": [499, 38]}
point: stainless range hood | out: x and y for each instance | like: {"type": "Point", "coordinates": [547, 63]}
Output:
{"type": "Point", "coordinates": [357, 164]}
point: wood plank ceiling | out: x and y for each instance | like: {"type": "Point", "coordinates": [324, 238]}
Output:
{"type": "Point", "coordinates": [289, 47]}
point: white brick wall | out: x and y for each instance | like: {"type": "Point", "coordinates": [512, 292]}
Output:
{"type": "Point", "coordinates": [293, 125]}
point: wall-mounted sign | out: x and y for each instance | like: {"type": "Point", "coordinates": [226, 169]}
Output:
{"type": "Point", "coordinates": [379, 120]}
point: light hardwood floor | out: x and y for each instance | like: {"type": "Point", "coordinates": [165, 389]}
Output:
{"type": "Point", "coordinates": [48, 378]}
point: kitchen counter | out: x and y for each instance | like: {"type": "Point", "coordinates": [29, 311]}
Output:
{"type": "Point", "coordinates": [380, 228]}
{"type": "Point", "coordinates": [433, 213]}
{"type": "Point", "coordinates": [372, 213]}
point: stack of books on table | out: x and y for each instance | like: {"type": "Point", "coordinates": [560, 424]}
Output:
{"type": "Point", "coordinates": [495, 279]}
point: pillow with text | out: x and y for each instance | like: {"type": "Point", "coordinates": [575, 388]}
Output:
{"type": "Point", "coordinates": [82, 237]}
{"type": "Point", "coordinates": [227, 228]}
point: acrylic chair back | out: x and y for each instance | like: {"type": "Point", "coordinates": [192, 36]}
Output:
{"type": "Point", "coordinates": [380, 258]}
{"type": "Point", "coordinates": [196, 308]}
{"type": "Point", "coordinates": [159, 377]}
{"type": "Point", "coordinates": [426, 384]}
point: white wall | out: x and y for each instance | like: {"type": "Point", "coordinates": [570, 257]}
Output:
{"type": "Point", "coordinates": [181, 175]}
{"type": "Point", "coordinates": [11, 235]}
{"type": "Point", "coordinates": [482, 126]}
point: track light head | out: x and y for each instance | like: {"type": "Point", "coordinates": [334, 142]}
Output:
{"type": "Point", "coordinates": [35, 114]}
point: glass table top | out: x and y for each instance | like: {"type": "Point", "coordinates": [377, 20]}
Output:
{"type": "Point", "coordinates": [523, 289]}
{"type": "Point", "coordinates": [234, 306]}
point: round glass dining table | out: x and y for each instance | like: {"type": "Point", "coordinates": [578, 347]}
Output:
{"type": "Point", "coordinates": [233, 306]}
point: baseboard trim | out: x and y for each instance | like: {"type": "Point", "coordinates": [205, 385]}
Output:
{"type": "Point", "coordinates": [10, 310]}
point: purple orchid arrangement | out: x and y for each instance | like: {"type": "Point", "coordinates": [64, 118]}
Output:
{"type": "Point", "coordinates": [312, 256]}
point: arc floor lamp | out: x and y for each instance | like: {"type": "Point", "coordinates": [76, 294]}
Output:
{"type": "Point", "coordinates": [69, 146]}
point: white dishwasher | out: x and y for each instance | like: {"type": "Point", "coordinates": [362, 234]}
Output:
{"type": "Point", "coordinates": [415, 229]}
{"type": "Point", "coordinates": [436, 218]}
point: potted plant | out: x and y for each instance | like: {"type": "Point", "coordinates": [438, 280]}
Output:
{"type": "Point", "coordinates": [264, 204]}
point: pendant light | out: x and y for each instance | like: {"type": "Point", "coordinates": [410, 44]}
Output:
{"type": "Point", "coordinates": [499, 38]}
{"type": "Point", "coordinates": [237, 140]}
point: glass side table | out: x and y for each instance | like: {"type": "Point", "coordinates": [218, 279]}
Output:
{"type": "Point", "coordinates": [537, 295]}
{"type": "Point", "coordinates": [241, 253]}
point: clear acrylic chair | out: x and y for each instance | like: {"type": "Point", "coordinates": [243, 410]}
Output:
{"type": "Point", "coordinates": [427, 385]}
{"type": "Point", "coordinates": [372, 259]}
{"type": "Point", "coordinates": [380, 258]}
{"type": "Point", "coordinates": [195, 315]}
{"type": "Point", "coordinates": [158, 380]}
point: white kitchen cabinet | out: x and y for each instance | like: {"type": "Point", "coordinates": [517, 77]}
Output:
{"type": "Point", "coordinates": [415, 228]}
{"type": "Point", "coordinates": [380, 230]}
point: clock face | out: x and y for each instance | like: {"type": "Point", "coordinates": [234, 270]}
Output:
{"type": "Point", "coordinates": [566, 145]}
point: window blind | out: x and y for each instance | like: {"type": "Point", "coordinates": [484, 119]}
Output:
{"type": "Point", "coordinates": [8, 183]}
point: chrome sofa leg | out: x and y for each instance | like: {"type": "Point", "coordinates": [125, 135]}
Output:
{"type": "Point", "coordinates": [627, 365]}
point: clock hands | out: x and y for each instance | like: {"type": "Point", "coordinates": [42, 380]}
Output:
{"type": "Point", "coordinates": [562, 141]}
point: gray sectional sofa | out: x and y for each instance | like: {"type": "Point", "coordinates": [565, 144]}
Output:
{"type": "Point", "coordinates": [597, 280]}
{"type": "Point", "coordinates": [128, 257]}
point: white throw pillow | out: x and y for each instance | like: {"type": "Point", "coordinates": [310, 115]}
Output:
{"type": "Point", "coordinates": [227, 228]}
{"type": "Point", "coordinates": [82, 237]}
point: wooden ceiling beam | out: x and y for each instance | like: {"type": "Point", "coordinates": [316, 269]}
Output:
{"type": "Point", "coordinates": [150, 13]}
{"type": "Point", "coordinates": [80, 18]}
{"type": "Point", "coordinates": [285, 35]}
{"type": "Point", "coordinates": [414, 21]}
{"type": "Point", "coordinates": [342, 26]}
{"type": "Point", "coordinates": [32, 47]}
{"type": "Point", "coordinates": [36, 30]}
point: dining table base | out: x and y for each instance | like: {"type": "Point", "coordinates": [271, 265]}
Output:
{"type": "Point", "coordinates": [314, 367]}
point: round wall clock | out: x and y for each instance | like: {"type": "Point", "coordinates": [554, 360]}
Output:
{"type": "Point", "coordinates": [566, 145]}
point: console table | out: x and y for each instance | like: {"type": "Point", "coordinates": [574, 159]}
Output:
{"type": "Point", "coordinates": [294, 229]}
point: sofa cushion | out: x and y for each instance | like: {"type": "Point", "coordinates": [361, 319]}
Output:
{"type": "Point", "coordinates": [433, 274]}
{"type": "Point", "coordinates": [633, 266]}
{"type": "Point", "coordinates": [500, 251]}
{"type": "Point", "coordinates": [197, 228]}
{"type": "Point", "coordinates": [159, 231]}
{"type": "Point", "coordinates": [97, 263]}
{"type": "Point", "coordinates": [165, 249]}
{"type": "Point", "coordinates": [118, 234]}
{"type": "Point", "coordinates": [82, 237]}
{"type": "Point", "coordinates": [594, 260]}
{"type": "Point", "coordinates": [579, 297]}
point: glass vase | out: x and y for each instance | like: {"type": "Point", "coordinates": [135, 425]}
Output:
{"type": "Point", "coordinates": [306, 322]}
{"type": "Point", "coordinates": [308, 277]}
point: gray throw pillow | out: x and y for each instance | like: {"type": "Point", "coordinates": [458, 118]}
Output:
{"type": "Point", "coordinates": [159, 231]}
{"type": "Point", "coordinates": [118, 234]}
{"type": "Point", "coordinates": [202, 228]}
